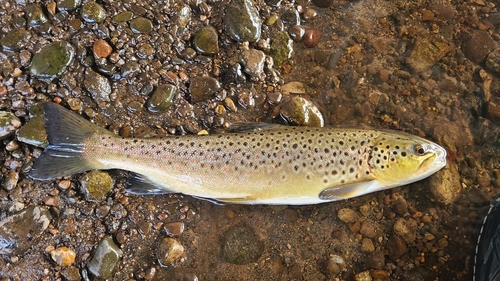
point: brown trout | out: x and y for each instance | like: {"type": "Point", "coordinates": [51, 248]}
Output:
{"type": "Point", "coordinates": [272, 165]}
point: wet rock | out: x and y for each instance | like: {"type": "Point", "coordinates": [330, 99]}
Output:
{"type": "Point", "coordinates": [396, 247]}
{"type": "Point", "coordinates": [184, 16]}
{"type": "Point", "coordinates": [71, 273]}
{"type": "Point", "coordinates": [202, 88]}
{"type": "Point", "coordinates": [322, 3]}
{"type": "Point", "coordinates": [406, 228]}
{"type": "Point", "coordinates": [347, 215]}
{"type": "Point", "coordinates": [68, 5]}
{"type": "Point", "coordinates": [123, 16]}
{"type": "Point", "coordinates": [206, 41]}
{"type": "Point", "coordinates": [9, 123]}
{"type": "Point", "coordinates": [10, 180]}
{"type": "Point", "coordinates": [281, 48]}
{"type": "Point", "coordinates": [445, 185]}
{"type": "Point", "coordinates": [106, 256]}
{"type": "Point", "coordinates": [169, 251]}
{"type": "Point", "coordinates": [332, 265]}
{"type": "Point", "coordinates": [240, 245]}
{"type": "Point", "coordinates": [242, 22]}
{"type": "Point", "coordinates": [311, 37]}
{"type": "Point", "coordinates": [363, 276]}
{"type": "Point", "coordinates": [427, 52]}
{"type": "Point", "coordinates": [174, 228]}
{"type": "Point", "coordinates": [375, 260]}
{"type": "Point", "coordinates": [31, 132]}
{"type": "Point", "coordinates": [36, 15]}
{"type": "Point", "coordinates": [20, 231]}
{"type": "Point", "coordinates": [367, 245]}
{"type": "Point", "coordinates": [162, 97]}
{"type": "Point", "coordinates": [302, 112]}
{"type": "Point", "coordinates": [478, 46]}
{"type": "Point", "coordinates": [400, 206]}
{"type": "Point", "coordinates": [93, 12]}
{"type": "Point", "coordinates": [291, 16]}
{"type": "Point", "coordinates": [63, 256]}
{"type": "Point", "coordinates": [52, 60]}
{"type": "Point", "coordinates": [294, 87]}
{"type": "Point", "coordinates": [296, 32]}
{"type": "Point", "coordinates": [96, 185]}
{"type": "Point", "coordinates": [493, 60]}
{"type": "Point", "coordinates": [15, 39]}
{"type": "Point", "coordinates": [101, 49]}
{"type": "Point", "coordinates": [369, 229]}
{"type": "Point", "coordinates": [141, 25]}
{"type": "Point", "coordinates": [253, 63]}
{"type": "Point", "coordinates": [493, 108]}
{"type": "Point", "coordinates": [98, 86]}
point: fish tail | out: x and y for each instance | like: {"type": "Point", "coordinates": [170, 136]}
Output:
{"type": "Point", "coordinates": [66, 133]}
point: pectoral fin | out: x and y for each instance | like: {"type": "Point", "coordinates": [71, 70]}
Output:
{"type": "Point", "coordinates": [349, 190]}
{"type": "Point", "coordinates": [137, 184]}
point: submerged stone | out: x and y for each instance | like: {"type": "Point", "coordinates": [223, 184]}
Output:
{"type": "Point", "coordinates": [123, 16]}
{"type": "Point", "coordinates": [68, 5]}
{"type": "Point", "coordinates": [98, 86]}
{"type": "Point", "coordinates": [302, 112]}
{"type": "Point", "coordinates": [241, 245]}
{"type": "Point", "coordinates": [106, 256]}
{"type": "Point", "coordinates": [242, 21]}
{"type": "Point", "coordinates": [15, 39]}
{"type": "Point", "coordinates": [33, 132]}
{"type": "Point", "coordinates": [161, 99]}
{"type": "Point", "coordinates": [141, 25]}
{"type": "Point", "coordinates": [281, 48]}
{"type": "Point", "coordinates": [52, 60]}
{"type": "Point", "coordinates": [206, 41]}
{"type": "Point", "coordinates": [20, 231]}
{"type": "Point", "coordinates": [93, 12]}
{"type": "Point", "coordinates": [36, 16]}
{"type": "Point", "coordinates": [253, 62]}
{"type": "Point", "coordinates": [169, 251]}
{"type": "Point", "coordinates": [427, 52]}
{"type": "Point", "coordinates": [202, 88]}
{"type": "Point", "coordinates": [96, 185]}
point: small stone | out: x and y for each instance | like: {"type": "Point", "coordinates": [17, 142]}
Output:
{"type": "Point", "coordinates": [230, 104]}
{"type": "Point", "coordinates": [71, 273]}
{"type": "Point", "coordinates": [52, 60]}
{"type": "Point", "coordinates": [281, 48]}
{"type": "Point", "coordinates": [400, 206]}
{"type": "Point", "coordinates": [12, 145]}
{"type": "Point", "coordinates": [162, 98]}
{"type": "Point", "coordinates": [302, 112]}
{"type": "Point", "coordinates": [101, 49]}
{"type": "Point", "coordinates": [322, 3]}
{"type": "Point", "coordinates": [294, 87]}
{"type": "Point", "coordinates": [406, 228]}
{"type": "Point", "coordinates": [206, 41]}
{"type": "Point", "coordinates": [367, 245]}
{"type": "Point", "coordinates": [141, 25]}
{"type": "Point", "coordinates": [274, 98]}
{"type": "Point", "coordinates": [10, 180]}
{"type": "Point", "coordinates": [220, 109]}
{"type": "Point", "coordinates": [311, 37]}
{"type": "Point", "coordinates": [92, 12]}
{"type": "Point", "coordinates": [291, 16]}
{"type": "Point", "coordinates": [123, 16]}
{"type": "Point", "coordinates": [63, 256]}
{"type": "Point", "coordinates": [33, 133]}
{"type": "Point", "coordinates": [296, 32]}
{"type": "Point", "coordinates": [242, 21]}
{"type": "Point", "coordinates": [379, 274]}
{"type": "Point", "coordinates": [15, 39]}
{"type": "Point", "coordinates": [98, 86]}
{"type": "Point", "coordinates": [106, 256]}
{"type": "Point", "coordinates": [75, 104]}
{"type": "Point", "coordinates": [169, 251]}
{"type": "Point", "coordinates": [493, 60]}
{"type": "Point", "coordinates": [20, 231]}
{"type": "Point", "coordinates": [253, 63]}
{"type": "Point", "coordinates": [427, 15]}
{"type": "Point", "coordinates": [445, 186]}
{"type": "Point", "coordinates": [36, 16]}
{"type": "Point", "coordinates": [369, 229]}
{"type": "Point", "coordinates": [68, 5]}
{"type": "Point", "coordinates": [174, 229]}
{"type": "Point", "coordinates": [9, 123]}
{"type": "Point", "coordinates": [478, 46]}
{"type": "Point", "coordinates": [202, 88]}
{"type": "Point", "coordinates": [375, 260]}
{"type": "Point", "coordinates": [426, 52]}
{"type": "Point", "coordinates": [347, 215]}
{"type": "Point", "coordinates": [396, 247]}
{"type": "Point", "coordinates": [309, 14]}
{"type": "Point", "coordinates": [241, 245]}
{"type": "Point", "coordinates": [363, 276]}
{"type": "Point", "coordinates": [96, 185]}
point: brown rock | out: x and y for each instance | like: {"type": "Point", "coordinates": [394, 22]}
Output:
{"type": "Point", "coordinates": [63, 256]}
{"type": "Point", "coordinates": [396, 247]}
{"type": "Point", "coordinates": [174, 228]}
{"type": "Point", "coordinates": [101, 49]}
{"type": "Point", "coordinates": [478, 46]}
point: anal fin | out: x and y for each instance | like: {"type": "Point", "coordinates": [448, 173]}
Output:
{"type": "Point", "coordinates": [137, 184]}
{"type": "Point", "coordinates": [239, 127]}
{"type": "Point", "coordinates": [349, 190]}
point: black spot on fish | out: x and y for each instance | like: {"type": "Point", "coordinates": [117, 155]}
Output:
{"type": "Point", "coordinates": [403, 154]}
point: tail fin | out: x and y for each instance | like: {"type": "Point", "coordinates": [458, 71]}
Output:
{"type": "Point", "coordinates": [66, 133]}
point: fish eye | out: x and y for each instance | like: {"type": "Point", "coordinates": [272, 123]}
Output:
{"type": "Point", "coordinates": [419, 149]}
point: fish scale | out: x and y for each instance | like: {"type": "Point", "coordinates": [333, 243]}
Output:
{"type": "Point", "coordinates": [270, 164]}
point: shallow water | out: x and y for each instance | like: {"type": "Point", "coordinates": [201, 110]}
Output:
{"type": "Point", "coordinates": [426, 68]}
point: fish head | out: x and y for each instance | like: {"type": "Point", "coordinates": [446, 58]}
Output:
{"type": "Point", "coordinates": [398, 159]}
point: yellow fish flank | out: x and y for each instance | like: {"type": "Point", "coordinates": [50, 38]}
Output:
{"type": "Point", "coordinates": [274, 165]}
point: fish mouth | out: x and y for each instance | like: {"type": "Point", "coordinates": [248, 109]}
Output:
{"type": "Point", "coordinates": [439, 154]}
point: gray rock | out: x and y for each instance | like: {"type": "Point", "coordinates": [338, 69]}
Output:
{"type": "Point", "coordinates": [241, 245]}
{"type": "Point", "coordinates": [9, 123]}
{"type": "Point", "coordinates": [98, 86]}
{"type": "Point", "coordinates": [52, 60]}
{"type": "Point", "coordinates": [242, 21]}
{"type": "Point", "coordinates": [106, 256]}
{"type": "Point", "coordinates": [20, 231]}
{"type": "Point", "coordinates": [253, 62]}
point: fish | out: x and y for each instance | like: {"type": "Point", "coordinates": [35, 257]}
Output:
{"type": "Point", "coordinates": [255, 163]}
